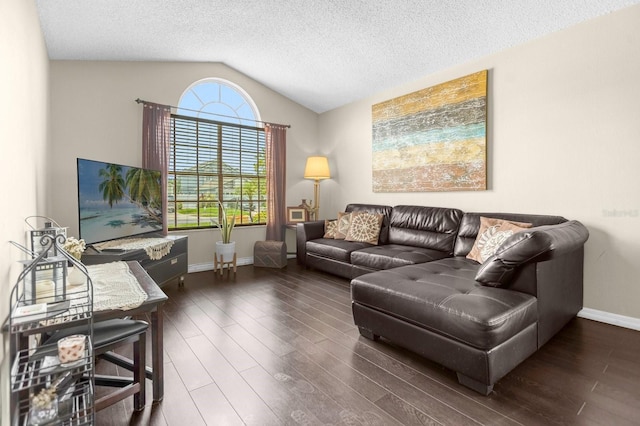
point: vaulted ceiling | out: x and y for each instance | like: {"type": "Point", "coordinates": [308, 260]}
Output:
{"type": "Point", "coordinates": [320, 53]}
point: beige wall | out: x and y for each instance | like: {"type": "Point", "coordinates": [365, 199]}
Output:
{"type": "Point", "coordinates": [94, 116]}
{"type": "Point", "coordinates": [23, 137]}
{"type": "Point", "coordinates": [564, 138]}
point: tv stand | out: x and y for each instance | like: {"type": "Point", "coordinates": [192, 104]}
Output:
{"type": "Point", "coordinates": [174, 265]}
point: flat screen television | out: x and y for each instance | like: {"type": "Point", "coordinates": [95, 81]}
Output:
{"type": "Point", "coordinates": [117, 201]}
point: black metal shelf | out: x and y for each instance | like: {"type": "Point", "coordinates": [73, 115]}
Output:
{"type": "Point", "coordinates": [35, 366]}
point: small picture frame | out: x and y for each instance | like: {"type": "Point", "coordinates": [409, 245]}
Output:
{"type": "Point", "coordinates": [297, 214]}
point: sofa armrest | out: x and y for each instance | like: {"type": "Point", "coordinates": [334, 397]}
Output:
{"type": "Point", "coordinates": [539, 244]}
{"type": "Point", "coordinates": [565, 237]}
{"type": "Point", "coordinates": [307, 231]}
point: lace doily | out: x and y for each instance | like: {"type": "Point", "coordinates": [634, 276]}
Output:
{"type": "Point", "coordinates": [115, 287]}
{"type": "Point", "coordinates": [156, 248]}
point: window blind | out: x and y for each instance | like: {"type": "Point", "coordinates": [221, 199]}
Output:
{"type": "Point", "coordinates": [213, 161]}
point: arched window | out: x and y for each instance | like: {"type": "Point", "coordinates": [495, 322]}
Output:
{"type": "Point", "coordinates": [217, 154]}
{"type": "Point", "coordinates": [218, 99]}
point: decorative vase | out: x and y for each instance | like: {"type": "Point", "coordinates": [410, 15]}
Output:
{"type": "Point", "coordinates": [225, 251]}
{"type": "Point", "coordinates": [75, 276]}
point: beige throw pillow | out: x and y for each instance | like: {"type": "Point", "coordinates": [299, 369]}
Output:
{"type": "Point", "coordinates": [330, 227]}
{"type": "Point", "coordinates": [344, 223]}
{"type": "Point", "coordinates": [365, 227]}
{"type": "Point", "coordinates": [491, 235]}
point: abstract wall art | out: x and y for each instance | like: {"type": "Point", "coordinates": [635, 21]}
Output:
{"type": "Point", "coordinates": [434, 139]}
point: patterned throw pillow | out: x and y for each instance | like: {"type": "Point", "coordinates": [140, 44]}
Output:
{"type": "Point", "coordinates": [330, 227]}
{"type": "Point", "coordinates": [344, 223]}
{"type": "Point", "coordinates": [365, 227]}
{"type": "Point", "coordinates": [491, 235]}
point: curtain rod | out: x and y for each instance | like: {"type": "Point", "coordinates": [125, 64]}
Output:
{"type": "Point", "coordinates": [142, 101]}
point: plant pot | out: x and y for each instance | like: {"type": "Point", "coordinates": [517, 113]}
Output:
{"type": "Point", "coordinates": [225, 251]}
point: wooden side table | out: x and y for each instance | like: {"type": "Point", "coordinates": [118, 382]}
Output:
{"type": "Point", "coordinates": [218, 262]}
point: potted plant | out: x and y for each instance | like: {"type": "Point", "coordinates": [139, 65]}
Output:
{"type": "Point", "coordinates": [226, 248]}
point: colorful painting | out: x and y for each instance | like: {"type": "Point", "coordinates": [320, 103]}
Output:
{"type": "Point", "coordinates": [434, 139]}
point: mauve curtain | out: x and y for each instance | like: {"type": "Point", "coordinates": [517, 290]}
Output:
{"type": "Point", "coordinates": [156, 127]}
{"type": "Point", "coordinates": [276, 162]}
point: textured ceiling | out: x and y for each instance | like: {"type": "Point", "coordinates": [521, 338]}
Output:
{"type": "Point", "coordinates": [320, 53]}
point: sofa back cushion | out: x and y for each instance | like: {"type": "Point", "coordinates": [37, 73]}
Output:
{"type": "Point", "coordinates": [470, 225]}
{"type": "Point", "coordinates": [385, 211]}
{"type": "Point", "coordinates": [429, 227]}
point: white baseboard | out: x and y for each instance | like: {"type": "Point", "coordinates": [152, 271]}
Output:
{"type": "Point", "coordinates": [609, 318]}
{"type": "Point", "coordinates": [201, 267]}
{"type": "Point", "coordinates": [243, 261]}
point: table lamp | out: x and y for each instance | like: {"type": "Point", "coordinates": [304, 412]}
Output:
{"type": "Point", "coordinates": [317, 168]}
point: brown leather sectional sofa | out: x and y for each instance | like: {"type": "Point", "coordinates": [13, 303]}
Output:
{"type": "Point", "coordinates": [417, 289]}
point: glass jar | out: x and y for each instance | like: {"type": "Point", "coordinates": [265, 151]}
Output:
{"type": "Point", "coordinates": [71, 349]}
{"type": "Point", "coordinates": [44, 407]}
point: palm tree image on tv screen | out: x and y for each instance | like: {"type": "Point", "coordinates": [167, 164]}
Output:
{"type": "Point", "coordinates": [117, 201]}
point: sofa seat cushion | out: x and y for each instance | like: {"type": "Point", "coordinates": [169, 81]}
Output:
{"type": "Point", "coordinates": [394, 255]}
{"type": "Point", "coordinates": [443, 297]}
{"type": "Point", "coordinates": [334, 249]}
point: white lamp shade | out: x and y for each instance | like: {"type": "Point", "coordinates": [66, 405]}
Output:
{"type": "Point", "coordinates": [317, 168]}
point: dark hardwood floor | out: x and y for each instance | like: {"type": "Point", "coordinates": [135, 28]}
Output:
{"type": "Point", "coordinates": [278, 347]}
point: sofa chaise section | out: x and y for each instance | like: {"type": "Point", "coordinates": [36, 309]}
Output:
{"type": "Point", "coordinates": [481, 330]}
